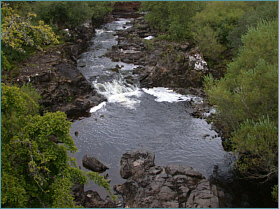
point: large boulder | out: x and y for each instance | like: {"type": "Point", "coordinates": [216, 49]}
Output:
{"type": "Point", "coordinates": [135, 163]}
{"type": "Point", "coordinates": [174, 186]}
{"type": "Point", "coordinates": [93, 164]}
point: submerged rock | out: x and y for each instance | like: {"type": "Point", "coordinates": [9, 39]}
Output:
{"type": "Point", "coordinates": [151, 186]}
{"type": "Point", "coordinates": [93, 164]}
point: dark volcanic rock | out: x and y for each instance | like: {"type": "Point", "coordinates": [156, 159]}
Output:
{"type": "Point", "coordinates": [174, 186]}
{"type": "Point", "coordinates": [93, 164]}
{"type": "Point", "coordinates": [90, 199]}
{"type": "Point", "coordinates": [134, 164]}
{"type": "Point", "coordinates": [56, 78]}
{"type": "Point", "coordinates": [166, 64]}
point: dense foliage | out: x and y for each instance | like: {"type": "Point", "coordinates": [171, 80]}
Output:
{"type": "Point", "coordinates": [249, 89]}
{"type": "Point", "coordinates": [18, 34]}
{"type": "Point", "coordinates": [36, 170]}
{"type": "Point", "coordinates": [23, 28]}
{"type": "Point", "coordinates": [172, 18]}
{"type": "Point", "coordinates": [69, 14]}
{"type": "Point", "coordinates": [212, 25]}
{"type": "Point", "coordinates": [247, 102]}
{"type": "Point", "coordinates": [215, 26]}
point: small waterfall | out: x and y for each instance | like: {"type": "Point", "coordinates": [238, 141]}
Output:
{"type": "Point", "coordinates": [119, 91]}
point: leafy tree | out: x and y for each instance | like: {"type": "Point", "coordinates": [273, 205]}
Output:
{"type": "Point", "coordinates": [172, 18]}
{"type": "Point", "coordinates": [17, 31]}
{"type": "Point", "coordinates": [247, 101]}
{"type": "Point", "coordinates": [99, 9]}
{"type": "Point", "coordinates": [181, 14]}
{"type": "Point", "coordinates": [262, 10]}
{"type": "Point", "coordinates": [21, 7]}
{"type": "Point", "coordinates": [249, 89]}
{"type": "Point", "coordinates": [71, 13]}
{"type": "Point", "coordinates": [212, 25]}
{"type": "Point", "coordinates": [36, 169]}
{"type": "Point", "coordinates": [5, 64]}
{"type": "Point", "coordinates": [259, 159]}
{"type": "Point", "coordinates": [158, 14]}
{"type": "Point", "coordinates": [20, 37]}
{"type": "Point", "coordinates": [63, 13]}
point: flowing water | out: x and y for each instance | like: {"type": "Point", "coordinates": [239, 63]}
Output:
{"type": "Point", "coordinates": [133, 118]}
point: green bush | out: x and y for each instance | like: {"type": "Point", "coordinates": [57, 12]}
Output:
{"type": "Point", "coordinates": [5, 65]}
{"type": "Point", "coordinates": [172, 17]}
{"type": "Point", "coordinates": [247, 102]}
{"type": "Point", "coordinates": [20, 37]}
{"type": "Point", "coordinates": [249, 89]}
{"type": "Point", "coordinates": [99, 9]}
{"type": "Point", "coordinates": [69, 14]}
{"type": "Point", "coordinates": [274, 193]}
{"type": "Point", "coordinates": [263, 10]}
{"type": "Point", "coordinates": [66, 14]}
{"type": "Point", "coordinates": [36, 170]}
{"type": "Point", "coordinates": [256, 144]}
{"type": "Point", "coordinates": [212, 25]}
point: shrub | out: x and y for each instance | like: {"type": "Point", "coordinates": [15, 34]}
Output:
{"type": "Point", "coordinates": [256, 144]}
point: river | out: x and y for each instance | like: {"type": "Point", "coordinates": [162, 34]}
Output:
{"type": "Point", "coordinates": [134, 118]}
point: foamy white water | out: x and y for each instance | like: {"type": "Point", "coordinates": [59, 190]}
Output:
{"type": "Point", "coordinates": [119, 92]}
{"type": "Point", "coordinates": [167, 95]}
{"type": "Point", "coordinates": [98, 107]}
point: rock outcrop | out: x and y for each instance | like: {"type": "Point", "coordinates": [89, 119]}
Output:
{"type": "Point", "coordinates": [162, 63]}
{"type": "Point", "coordinates": [173, 186]}
{"type": "Point", "coordinates": [55, 76]}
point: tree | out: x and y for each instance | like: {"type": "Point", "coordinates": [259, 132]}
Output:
{"type": "Point", "coordinates": [212, 25]}
{"type": "Point", "coordinates": [17, 31]}
{"type": "Point", "coordinates": [99, 9]}
{"type": "Point", "coordinates": [158, 14]}
{"type": "Point", "coordinates": [262, 10]}
{"type": "Point", "coordinates": [257, 145]}
{"type": "Point", "coordinates": [247, 102]}
{"type": "Point", "coordinates": [71, 14]}
{"type": "Point", "coordinates": [19, 35]}
{"type": "Point", "coordinates": [249, 89]}
{"type": "Point", "coordinates": [63, 13]}
{"type": "Point", "coordinates": [173, 18]}
{"type": "Point", "coordinates": [36, 169]}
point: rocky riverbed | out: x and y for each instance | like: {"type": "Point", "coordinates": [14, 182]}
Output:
{"type": "Point", "coordinates": [149, 185]}
{"type": "Point", "coordinates": [161, 63]}
{"type": "Point", "coordinates": [172, 186]}
{"type": "Point", "coordinates": [55, 76]}
{"type": "Point", "coordinates": [152, 186]}
{"type": "Point", "coordinates": [62, 87]}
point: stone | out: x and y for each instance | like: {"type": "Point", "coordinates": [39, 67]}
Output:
{"type": "Point", "coordinates": [135, 163]}
{"type": "Point", "coordinates": [172, 186]}
{"type": "Point", "coordinates": [93, 164]}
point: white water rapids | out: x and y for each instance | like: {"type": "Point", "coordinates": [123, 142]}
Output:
{"type": "Point", "coordinates": [133, 118]}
